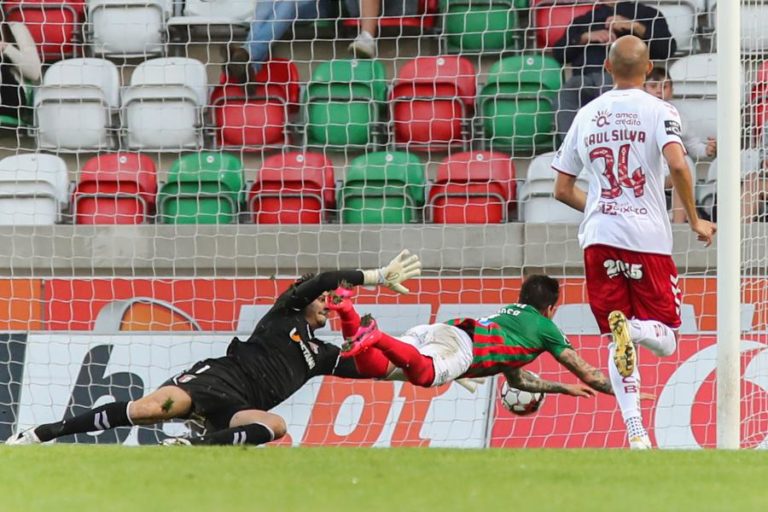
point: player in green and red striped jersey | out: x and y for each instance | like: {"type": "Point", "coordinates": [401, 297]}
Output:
{"type": "Point", "coordinates": [467, 348]}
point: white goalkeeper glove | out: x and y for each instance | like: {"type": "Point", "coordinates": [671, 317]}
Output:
{"type": "Point", "coordinates": [403, 267]}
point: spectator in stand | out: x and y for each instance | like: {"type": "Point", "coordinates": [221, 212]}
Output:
{"type": "Point", "coordinates": [585, 47]}
{"type": "Point", "coordinates": [19, 65]}
{"type": "Point", "coordinates": [754, 195]}
{"type": "Point", "coordinates": [364, 45]}
{"type": "Point", "coordinates": [659, 84]}
{"type": "Point", "coordinates": [271, 21]}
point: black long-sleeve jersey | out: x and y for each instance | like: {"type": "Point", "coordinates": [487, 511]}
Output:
{"type": "Point", "coordinates": [282, 354]}
{"type": "Point", "coordinates": [591, 56]}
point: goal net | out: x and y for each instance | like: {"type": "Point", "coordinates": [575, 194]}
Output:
{"type": "Point", "coordinates": [157, 193]}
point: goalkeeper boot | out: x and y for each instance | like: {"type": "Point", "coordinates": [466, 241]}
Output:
{"type": "Point", "coordinates": [367, 335]}
{"type": "Point", "coordinates": [21, 438]}
{"type": "Point", "coordinates": [640, 443]}
{"type": "Point", "coordinates": [176, 441]}
{"type": "Point", "coordinates": [624, 357]}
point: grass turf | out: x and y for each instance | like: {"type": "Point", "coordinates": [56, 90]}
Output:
{"type": "Point", "coordinates": [108, 478]}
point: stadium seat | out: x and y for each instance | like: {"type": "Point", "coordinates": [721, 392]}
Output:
{"type": "Point", "coordinates": [259, 118]}
{"type": "Point", "coordinates": [115, 188]}
{"type": "Point", "coordinates": [33, 189]}
{"type": "Point", "coordinates": [754, 19]}
{"type": "Point", "coordinates": [695, 75]}
{"type": "Point", "coordinates": [537, 195]}
{"type": "Point", "coordinates": [751, 161]}
{"type": "Point", "coordinates": [424, 20]}
{"type": "Point", "coordinates": [551, 18]}
{"type": "Point", "coordinates": [479, 26]}
{"type": "Point", "coordinates": [127, 28]}
{"type": "Point", "coordinates": [473, 188]}
{"type": "Point", "coordinates": [293, 188]}
{"type": "Point", "coordinates": [75, 105]}
{"type": "Point", "coordinates": [344, 102]}
{"type": "Point", "coordinates": [202, 188]}
{"type": "Point", "coordinates": [515, 107]}
{"type": "Point", "coordinates": [214, 20]}
{"type": "Point", "coordinates": [450, 311]}
{"type": "Point", "coordinates": [576, 319]}
{"type": "Point", "coordinates": [383, 188]}
{"type": "Point", "coordinates": [682, 19]}
{"type": "Point", "coordinates": [432, 102]}
{"type": "Point", "coordinates": [162, 108]}
{"type": "Point", "coordinates": [699, 116]}
{"type": "Point", "coordinates": [54, 24]}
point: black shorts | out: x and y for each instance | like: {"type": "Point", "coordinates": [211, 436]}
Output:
{"type": "Point", "coordinates": [217, 389]}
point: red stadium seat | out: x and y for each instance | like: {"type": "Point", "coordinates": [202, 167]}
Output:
{"type": "Point", "coordinates": [424, 21]}
{"type": "Point", "coordinates": [551, 18]}
{"type": "Point", "coordinates": [116, 188]}
{"type": "Point", "coordinates": [260, 118]}
{"type": "Point", "coordinates": [432, 102]}
{"type": "Point", "coordinates": [473, 188]}
{"type": "Point", "coordinates": [54, 24]}
{"type": "Point", "coordinates": [293, 188]}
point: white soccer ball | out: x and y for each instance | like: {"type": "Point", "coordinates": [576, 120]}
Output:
{"type": "Point", "coordinates": [520, 402]}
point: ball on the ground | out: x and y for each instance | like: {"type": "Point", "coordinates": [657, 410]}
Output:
{"type": "Point", "coordinates": [520, 402]}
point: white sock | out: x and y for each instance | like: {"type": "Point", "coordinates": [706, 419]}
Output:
{"type": "Point", "coordinates": [626, 389]}
{"type": "Point", "coordinates": [365, 36]}
{"type": "Point", "coordinates": [653, 335]}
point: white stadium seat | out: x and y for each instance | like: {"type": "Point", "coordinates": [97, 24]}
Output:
{"type": "Point", "coordinates": [754, 19]}
{"type": "Point", "coordinates": [682, 19]}
{"type": "Point", "coordinates": [705, 194]}
{"type": "Point", "coordinates": [576, 319]}
{"type": "Point", "coordinates": [75, 105]}
{"type": "Point", "coordinates": [128, 28]}
{"type": "Point", "coordinates": [162, 108]}
{"type": "Point", "coordinates": [213, 16]}
{"type": "Point", "coordinates": [33, 189]}
{"type": "Point", "coordinates": [699, 116]}
{"type": "Point", "coordinates": [448, 311]}
{"type": "Point", "coordinates": [537, 195]}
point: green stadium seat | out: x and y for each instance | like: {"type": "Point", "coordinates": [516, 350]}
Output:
{"type": "Point", "coordinates": [516, 105]}
{"type": "Point", "coordinates": [344, 103]}
{"type": "Point", "coordinates": [202, 188]}
{"type": "Point", "coordinates": [479, 26]}
{"type": "Point", "coordinates": [386, 187]}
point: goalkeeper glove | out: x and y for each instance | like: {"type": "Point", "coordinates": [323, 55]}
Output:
{"type": "Point", "coordinates": [403, 267]}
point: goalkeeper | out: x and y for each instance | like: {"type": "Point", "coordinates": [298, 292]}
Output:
{"type": "Point", "coordinates": [232, 395]}
{"type": "Point", "coordinates": [465, 349]}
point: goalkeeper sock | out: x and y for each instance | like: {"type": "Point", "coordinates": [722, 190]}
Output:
{"type": "Point", "coordinates": [350, 322]}
{"type": "Point", "coordinates": [653, 335]}
{"type": "Point", "coordinates": [372, 363]}
{"type": "Point", "coordinates": [105, 417]}
{"type": "Point", "coordinates": [253, 433]}
{"type": "Point", "coordinates": [418, 368]}
{"type": "Point", "coordinates": [626, 389]}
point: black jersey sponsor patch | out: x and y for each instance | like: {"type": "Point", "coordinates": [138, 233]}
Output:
{"type": "Point", "coordinates": [673, 128]}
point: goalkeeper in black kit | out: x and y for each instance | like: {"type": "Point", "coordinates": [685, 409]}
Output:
{"type": "Point", "coordinates": [232, 395]}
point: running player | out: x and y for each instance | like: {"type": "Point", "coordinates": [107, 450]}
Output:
{"type": "Point", "coordinates": [468, 348]}
{"type": "Point", "coordinates": [232, 395]}
{"type": "Point", "coordinates": [622, 138]}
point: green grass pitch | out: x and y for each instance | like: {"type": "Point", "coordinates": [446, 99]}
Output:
{"type": "Point", "coordinates": [67, 478]}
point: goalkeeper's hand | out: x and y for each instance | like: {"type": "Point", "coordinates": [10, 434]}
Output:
{"type": "Point", "coordinates": [403, 267]}
{"type": "Point", "coordinates": [340, 299]}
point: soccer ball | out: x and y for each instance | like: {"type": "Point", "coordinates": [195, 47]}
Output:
{"type": "Point", "coordinates": [520, 402]}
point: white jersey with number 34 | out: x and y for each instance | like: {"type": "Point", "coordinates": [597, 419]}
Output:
{"type": "Point", "coordinates": [619, 138]}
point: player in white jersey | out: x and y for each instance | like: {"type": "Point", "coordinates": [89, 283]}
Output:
{"type": "Point", "coordinates": [622, 139]}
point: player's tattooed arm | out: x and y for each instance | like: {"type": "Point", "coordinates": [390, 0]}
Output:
{"type": "Point", "coordinates": [526, 381]}
{"type": "Point", "coordinates": [587, 373]}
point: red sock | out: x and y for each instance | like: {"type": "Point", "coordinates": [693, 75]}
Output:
{"type": "Point", "coordinates": [372, 363]}
{"type": "Point", "coordinates": [417, 367]}
{"type": "Point", "coordinates": [350, 322]}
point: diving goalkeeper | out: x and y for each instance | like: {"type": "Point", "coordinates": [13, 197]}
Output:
{"type": "Point", "coordinates": [232, 395]}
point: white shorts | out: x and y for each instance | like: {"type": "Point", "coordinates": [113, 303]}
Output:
{"type": "Point", "coordinates": [449, 347]}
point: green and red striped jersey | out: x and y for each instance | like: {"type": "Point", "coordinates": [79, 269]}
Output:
{"type": "Point", "coordinates": [511, 338]}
